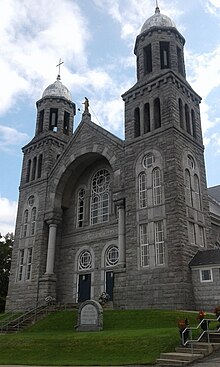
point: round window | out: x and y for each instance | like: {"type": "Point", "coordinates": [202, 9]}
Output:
{"type": "Point", "coordinates": [85, 260]}
{"type": "Point", "coordinates": [31, 200]}
{"type": "Point", "coordinates": [148, 160]}
{"type": "Point", "coordinates": [112, 256]}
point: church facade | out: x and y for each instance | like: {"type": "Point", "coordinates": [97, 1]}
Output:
{"type": "Point", "coordinates": [97, 213]}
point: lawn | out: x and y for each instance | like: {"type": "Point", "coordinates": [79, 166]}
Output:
{"type": "Point", "coordinates": [128, 337]}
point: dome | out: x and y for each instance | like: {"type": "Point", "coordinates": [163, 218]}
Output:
{"type": "Point", "coordinates": [57, 89]}
{"type": "Point", "coordinates": [157, 20]}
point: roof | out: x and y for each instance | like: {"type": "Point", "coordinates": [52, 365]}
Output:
{"type": "Point", "coordinates": [57, 89]}
{"type": "Point", "coordinates": [157, 20]}
{"type": "Point", "coordinates": [214, 192]}
{"type": "Point", "coordinates": [206, 257]}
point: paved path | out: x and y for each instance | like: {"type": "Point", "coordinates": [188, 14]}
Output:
{"type": "Point", "coordinates": [211, 361]}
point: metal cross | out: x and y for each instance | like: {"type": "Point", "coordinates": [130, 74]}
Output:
{"type": "Point", "coordinates": [60, 63]}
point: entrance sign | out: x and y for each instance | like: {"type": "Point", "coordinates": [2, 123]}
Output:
{"type": "Point", "coordinates": [90, 316]}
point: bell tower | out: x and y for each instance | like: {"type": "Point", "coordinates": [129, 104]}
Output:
{"type": "Point", "coordinates": [165, 164]}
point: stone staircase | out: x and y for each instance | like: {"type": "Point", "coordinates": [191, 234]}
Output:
{"type": "Point", "coordinates": [13, 325]}
{"type": "Point", "coordinates": [193, 351]}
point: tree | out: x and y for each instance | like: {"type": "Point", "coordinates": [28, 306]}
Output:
{"type": "Point", "coordinates": [6, 243]}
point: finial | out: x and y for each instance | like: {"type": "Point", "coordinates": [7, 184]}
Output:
{"type": "Point", "coordinates": [86, 104]}
{"type": "Point", "coordinates": [157, 10]}
{"type": "Point", "coordinates": [60, 63]}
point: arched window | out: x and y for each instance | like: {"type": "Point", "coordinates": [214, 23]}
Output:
{"type": "Point", "coordinates": [137, 126]}
{"type": "Point", "coordinates": [111, 256]}
{"type": "Point", "coordinates": [146, 118]}
{"type": "Point", "coordinates": [187, 118]}
{"type": "Point", "coordinates": [142, 190]}
{"type": "Point", "coordinates": [181, 118]}
{"type": "Point", "coordinates": [188, 187]}
{"type": "Point", "coordinates": [33, 221]}
{"type": "Point", "coordinates": [193, 123]}
{"type": "Point", "coordinates": [28, 171]}
{"type": "Point", "coordinates": [34, 167]}
{"type": "Point", "coordinates": [25, 223]}
{"type": "Point", "coordinates": [157, 113]}
{"type": "Point", "coordinates": [157, 189]}
{"type": "Point", "coordinates": [85, 260]}
{"type": "Point", "coordinates": [80, 208]}
{"type": "Point", "coordinates": [197, 202]}
{"type": "Point", "coordinates": [39, 166]}
{"type": "Point", "coordinates": [100, 197]}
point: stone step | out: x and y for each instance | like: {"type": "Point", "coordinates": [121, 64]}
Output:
{"type": "Point", "coordinates": [203, 351]}
{"type": "Point", "coordinates": [181, 356]}
{"type": "Point", "coordinates": [171, 362]}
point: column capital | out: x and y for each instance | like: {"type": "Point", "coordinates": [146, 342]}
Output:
{"type": "Point", "coordinates": [53, 217]}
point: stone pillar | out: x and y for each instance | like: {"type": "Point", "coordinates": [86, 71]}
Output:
{"type": "Point", "coordinates": [121, 231]}
{"type": "Point", "coordinates": [51, 248]}
{"type": "Point", "coordinates": [142, 119]}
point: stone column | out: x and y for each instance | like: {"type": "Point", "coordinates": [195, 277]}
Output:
{"type": "Point", "coordinates": [121, 231]}
{"type": "Point", "coordinates": [142, 119]}
{"type": "Point", "coordinates": [51, 248]}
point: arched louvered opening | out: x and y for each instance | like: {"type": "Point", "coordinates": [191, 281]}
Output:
{"type": "Point", "coordinates": [146, 118]}
{"type": "Point", "coordinates": [157, 113]}
{"type": "Point", "coordinates": [137, 127]}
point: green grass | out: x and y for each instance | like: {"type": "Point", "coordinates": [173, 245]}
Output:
{"type": "Point", "coordinates": [128, 337]}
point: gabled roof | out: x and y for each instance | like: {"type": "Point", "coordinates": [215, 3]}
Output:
{"type": "Point", "coordinates": [214, 192]}
{"type": "Point", "coordinates": [206, 257]}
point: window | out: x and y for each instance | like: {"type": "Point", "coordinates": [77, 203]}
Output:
{"type": "Point", "coordinates": [159, 243]}
{"type": "Point", "coordinates": [25, 225]}
{"type": "Point", "coordinates": [81, 208]}
{"type": "Point", "coordinates": [188, 188]}
{"type": "Point", "coordinates": [66, 123]}
{"type": "Point", "coordinates": [181, 118]}
{"type": "Point", "coordinates": [206, 275]}
{"type": "Point", "coordinates": [157, 189]}
{"type": "Point", "coordinates": [112, 256]}
{"type": "Point", "coordinates": [190, 162]}
{"type": "Point", "coordinates": [142, 190]}
{"type": "Point", "coordinates": [201, 236]}
{"type": "Point", "coordinates": [144, 245]}
{"type": "Point", "coordinates": [53, 119]}
{"type": "Point", "coordinates": [100, 197]}
{"type": "Point", "coordinates": [164, 55]}
{"type": "Point", "coordinates": [146, 118]}
{"type": "Point", "coordinates": [34, 167]}
{"type": "Point", "coordinates": [187, 119]}
{"type": "Point", "coordinates": [85, 260]}
{"type": "Point", "coordinates": [39, 166]}
{"type": "Point", "coordinates": [180, 60]}
{"type": "Point", "coordinates": [28, 171]}
{"type": "Point", "coordinates": [24, 264]}
{"type": "Point", "coordinates": [33, 221]}
{"type": "Point", "coordinates": [137, 127]}
{"type": "Point", "coordinates": [148, 160]}
{"type": "Point", "coordinates": [29, 263]}
{"type": "Point", "coordinates": [41, 122]}
{"type": "Point", "coordinates": [157, 114]}
{"type": "Point", "coordinates": [192, 234]}
{"type": "Point", "coordinates": [21, 265]}
{"type": "Point", "coordinates": [193, 123]}
{"type": "Point", "coordinates": [197, 201]}
{"type": "Point", "coordinates": [147, 59]}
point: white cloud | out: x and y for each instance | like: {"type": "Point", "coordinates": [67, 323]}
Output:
{"type": "Point", "coordinates": [10, 137]}
{"type": "Point", "coordinates": [215, 139]}
{"type": "Point", "coordinates": [33, 37]}
{"type": "Point", "coordinates": [8, 210]}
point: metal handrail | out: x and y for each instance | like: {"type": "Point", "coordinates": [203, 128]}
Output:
{"type": "Point", "coordinates": [31, 314]}
{"type": "Point", "coordinates": [190, 329]}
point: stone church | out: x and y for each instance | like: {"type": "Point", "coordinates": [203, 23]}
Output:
{"type": "Point", "coordinates": [131, 217]}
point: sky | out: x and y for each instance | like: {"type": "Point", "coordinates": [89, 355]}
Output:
{"type": "Point", "coordinates": [95, 40]}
